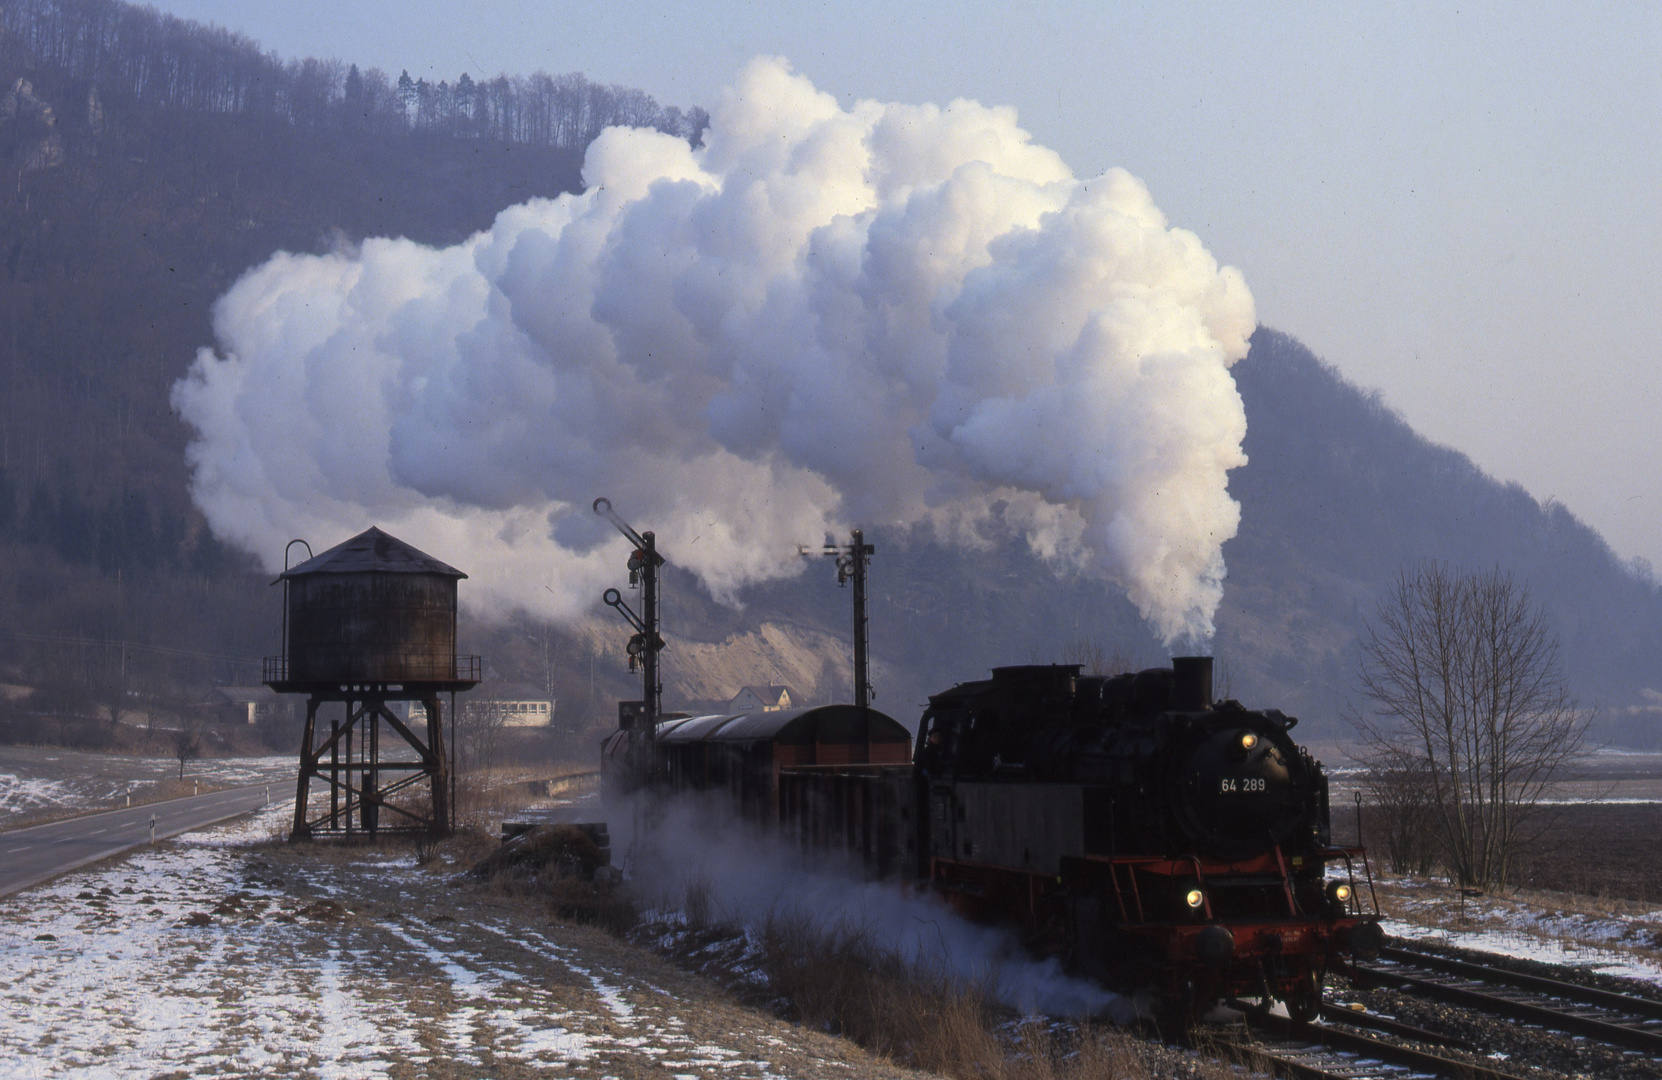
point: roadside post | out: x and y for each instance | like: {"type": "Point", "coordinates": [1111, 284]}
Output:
{"type": "Point", "coordinates": [152, 828]}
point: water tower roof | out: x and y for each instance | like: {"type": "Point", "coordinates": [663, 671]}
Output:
{"type": "Point", "coordinates": [373, 551]}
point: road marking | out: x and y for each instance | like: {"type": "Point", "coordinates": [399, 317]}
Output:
{"type": "Point", "coordinates": [95, 832]}
{"type": "Point", "coordinates": [25, 847]}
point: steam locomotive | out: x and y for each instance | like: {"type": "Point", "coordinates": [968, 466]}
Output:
{"type": "Point", "coordinates": [1129, 825]}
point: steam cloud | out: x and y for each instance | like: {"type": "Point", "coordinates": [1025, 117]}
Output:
{"type": "Point", "coordinates": [748, 876]}
{"type": "Point", "coordinates": [822, 317]}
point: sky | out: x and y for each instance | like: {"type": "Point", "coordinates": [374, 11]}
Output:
{"type": "Point", "coordinates": [1457, 206]}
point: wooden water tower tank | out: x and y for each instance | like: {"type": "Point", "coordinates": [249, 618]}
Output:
{"type": "Point", "coordinates": [370, 610]}
{"type": "Point", "coordinates": [372, 621]}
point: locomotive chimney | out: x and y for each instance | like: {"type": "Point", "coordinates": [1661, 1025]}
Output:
{"type": "Point", "coordinates": [1192, 683]}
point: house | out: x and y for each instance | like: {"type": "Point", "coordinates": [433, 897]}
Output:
{"type": "Point", "coordinates": [762, 699]}
{"type": "Point", "coordinates": [511, 706]}
{"type": "Point", "coordinates": [245, 704]}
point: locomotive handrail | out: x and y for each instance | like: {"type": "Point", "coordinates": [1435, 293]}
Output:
{"type": "Point", "coordinates": [1350, 872]}
{"type": "Point", "coordinates": [1133, 862]}
{"type": "Point", "coordinates": [1286, 883]}
{"type": "Point", "coordinates": [1200, 883]}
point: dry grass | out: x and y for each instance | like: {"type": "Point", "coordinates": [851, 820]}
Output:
{"type": "Point", "coordinates": [844, 981]}
{"type": "Point", "coordinates": [556, 865]}
{"type": "Point", "coordinates": [484, 799]}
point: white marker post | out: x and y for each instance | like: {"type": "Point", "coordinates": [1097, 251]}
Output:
{"type": "Point", "coordinates": [152, 828]}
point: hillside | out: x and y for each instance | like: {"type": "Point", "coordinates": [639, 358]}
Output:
{"type": "Point", "coordinates": [1339, 496]}
{"type": "Point", "coordinates": [126, 213]}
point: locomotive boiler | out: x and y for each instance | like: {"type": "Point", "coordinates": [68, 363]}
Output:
{"type": "Point", "coordinates": [1144, 834]}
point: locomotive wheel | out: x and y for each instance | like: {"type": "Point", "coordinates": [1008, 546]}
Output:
{"type": "Point", "coordinates": [1304, 1000]}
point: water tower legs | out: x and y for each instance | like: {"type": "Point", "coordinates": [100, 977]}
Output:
{"type": "Point", "coordinates": [360, 790]}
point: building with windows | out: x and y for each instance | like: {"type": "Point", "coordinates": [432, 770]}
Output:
{"type": "Point", "coordinates": [762, 699]}
{"type": "Point", "coordinates": [511, 706]}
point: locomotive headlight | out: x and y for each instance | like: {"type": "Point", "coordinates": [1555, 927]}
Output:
{"type": "Point", "coordinates": [1248, 741]}
{"type": "Point", "coordinates": [1339, 895]}
{"type": "Point", "coordinates": [1195, 898]}
{"type": "Point", "coordinates": [1341, 892]}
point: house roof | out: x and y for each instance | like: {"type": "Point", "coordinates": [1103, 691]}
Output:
{"type": "Point", "coordinates": [492, 691]}
{"type": "Point", "coordinates": [373, 551]}
{"type": "Point", "coordinates": [246, 695]}
{"type": "Point", "coordinates": [767, 695]}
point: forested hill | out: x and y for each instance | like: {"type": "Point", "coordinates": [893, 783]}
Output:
{"type": "Point", "coordinates": [146, 162]}
{"type": "Point", "coordinates": [1341, 494]}
{"type": "Point", "coordinates": [149, 161]}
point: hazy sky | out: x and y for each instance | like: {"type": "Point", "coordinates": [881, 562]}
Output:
{"type": "Point", "coordinates": [1461, 208]}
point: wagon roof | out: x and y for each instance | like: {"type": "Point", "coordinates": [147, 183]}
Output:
{"type": "Point", "coordinates": [373, 551]}
{"type": "Point", "coordinates": [822, 723]}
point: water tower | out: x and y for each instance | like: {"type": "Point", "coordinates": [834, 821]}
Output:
{"type": "Point", "coordinates": [367, 623]}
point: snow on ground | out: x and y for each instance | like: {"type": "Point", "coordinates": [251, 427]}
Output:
{"type": "Point", "coordinates": [22, 796]}
{"type": "Point", "coordinates": [219, 955]}
{"type": "Point", "coordinates": [37, 781]}
{"type": "Point", "coordinates": [1529, 946]}
{"type": "Point", "coordinates": [1624, 943]}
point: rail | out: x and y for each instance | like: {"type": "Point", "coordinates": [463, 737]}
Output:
{"type": "Point", "coordinates": [1322, 1052]}
{"type": "Point", "coordinates": [1615, 1019]}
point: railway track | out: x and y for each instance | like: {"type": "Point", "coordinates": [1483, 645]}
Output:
{"type": "Point", "coordinates": [1329, 1052]}
{"type": "Point", "coordinates": [1616, 1019]}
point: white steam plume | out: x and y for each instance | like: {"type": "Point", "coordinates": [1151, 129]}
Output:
{"type": "Point", "coordinates": [821, 317]}
{"type": "Point", "coordinates": [749, 876]}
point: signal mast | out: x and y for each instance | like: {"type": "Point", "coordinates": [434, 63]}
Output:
{"type": "Point", "coordinates": [851, 566]}
{"type": "Point", "coordinates": [644, 646]}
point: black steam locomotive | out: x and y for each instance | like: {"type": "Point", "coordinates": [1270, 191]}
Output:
{"type": "Point", "coordinates": [1131, 826]}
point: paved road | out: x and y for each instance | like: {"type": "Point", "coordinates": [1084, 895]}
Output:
{"type": "Point", "coordinates": [30, 856]}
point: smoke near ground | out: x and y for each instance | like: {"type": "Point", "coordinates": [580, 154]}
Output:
{"type": "Point", "coordinates": [691, 848]}
{"type": "Point", "coordinates": [820, 317]}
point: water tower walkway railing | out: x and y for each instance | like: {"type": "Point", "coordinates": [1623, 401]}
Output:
{"type": "Point", "coordinates": [435, 673]}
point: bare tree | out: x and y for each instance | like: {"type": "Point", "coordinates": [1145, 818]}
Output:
{"type": "Point", "coordinates": [1095, 658]}
{"type": "Point", "coordinates": [187, 745]}
{"type": "Point", "coordinates": [1468, 699]}
{"type": "Point", "coordinates": [479, 723]}
{"type": "Point", "coordinates": [1399, 793]}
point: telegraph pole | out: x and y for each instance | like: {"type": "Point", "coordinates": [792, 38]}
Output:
{"type": "Point", "coordinates": [851, 566]}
